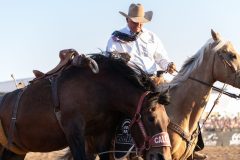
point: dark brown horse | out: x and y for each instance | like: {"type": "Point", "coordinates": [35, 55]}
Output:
{"type": "Point", "coordinates": [90, 105]}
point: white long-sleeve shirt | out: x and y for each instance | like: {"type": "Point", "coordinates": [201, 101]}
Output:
{"type": "Point", "coordinates": [146, 51]}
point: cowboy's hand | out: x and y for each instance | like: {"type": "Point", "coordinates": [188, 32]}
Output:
{"type": "Point", "coordinates": [158, 80]}
{"type": "Point", "coordinates": [125, 56]}
{"type": "Point", "coordinates": [171, 68]}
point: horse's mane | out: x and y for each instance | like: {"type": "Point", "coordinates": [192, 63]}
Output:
{"type": "Point", "coordinates": [190, 65]}
{"type": "Point", "coordinates": [134, 73]}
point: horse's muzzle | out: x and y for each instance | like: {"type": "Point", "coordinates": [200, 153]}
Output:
{"type": "Point", "coordinates": [163, 153]}
{"type": "Point", "coordinates": [158, 156]}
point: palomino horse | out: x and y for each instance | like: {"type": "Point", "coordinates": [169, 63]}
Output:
{"type": "Point", "coordinates": [217, 60]}
{"type": "Point", "coordinates": [90, 105]}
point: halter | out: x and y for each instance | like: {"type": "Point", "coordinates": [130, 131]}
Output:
{"type": "Point", "coordinates": [158, 140]}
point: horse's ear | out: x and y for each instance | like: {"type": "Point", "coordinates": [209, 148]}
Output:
{"type": "Point", "coordinates": [164, 98]}
{"type": "Point", "coordinates": [216, 36]}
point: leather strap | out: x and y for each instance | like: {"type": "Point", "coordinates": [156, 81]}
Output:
{"type": "Point", "coordinates": [14, 117]}
{"type": "Point", "coordinates": [54, 89]}
{"type": "Point", "coordinates": [180, 131]}
{"type": "Point", "coordinates": [187, 137]}
{"type": "Point", "coordinates": [54, 82]}
{"type": "Point", "coordinates": [12, 128]}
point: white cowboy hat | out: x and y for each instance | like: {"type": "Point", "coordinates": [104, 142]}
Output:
{"type": "Point", "coordinates": [136, 14]}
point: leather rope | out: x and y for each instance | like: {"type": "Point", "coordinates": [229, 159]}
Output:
{"type": "Point", "coordinates": [12, 127]}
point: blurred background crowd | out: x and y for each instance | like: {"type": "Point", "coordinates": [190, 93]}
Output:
{"type": "Point", "coordinates": [217, 122]}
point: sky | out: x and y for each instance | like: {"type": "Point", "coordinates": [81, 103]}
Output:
{"type": "Point", "coordinates": [33, 32]}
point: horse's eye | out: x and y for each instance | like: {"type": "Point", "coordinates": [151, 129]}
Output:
{"type": "Point", "coordinates": [232, 56]}
{"type": "Point", "coordinates": [223, 51]}
{"type": "Point", "coordinates": [151, 119]}
{"type": "Point", "coordinates": [153, 109]}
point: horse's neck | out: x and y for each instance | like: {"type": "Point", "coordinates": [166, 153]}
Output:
{"type": "Point", "coordinates": [190, 97]}
{"type": "Point", "coordinates": [127, 99]}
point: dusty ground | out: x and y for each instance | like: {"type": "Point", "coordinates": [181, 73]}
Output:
{"type": "Point", "coordinates": [214, 153]}
{"type": "Point", "coordinates": [222, 153]}
{"type": "Point", "coordinates": [45, 156]}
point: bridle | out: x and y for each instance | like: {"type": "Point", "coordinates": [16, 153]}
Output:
{"type": "Point", "coordinates": [226, 63]}
{"type": "Point", "coordinates": [157, 140]}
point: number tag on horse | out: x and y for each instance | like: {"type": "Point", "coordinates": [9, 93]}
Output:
{"type": "Point", "coordinates": [123, 140]}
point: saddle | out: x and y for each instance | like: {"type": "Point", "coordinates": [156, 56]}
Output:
{"type": "Point", "coordinates": [66, 56]}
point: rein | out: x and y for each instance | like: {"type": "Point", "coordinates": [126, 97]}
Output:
{"type": "Point", "coordinates": [214, 104]}
{"type": "Point", "coordinates": [232, 95]}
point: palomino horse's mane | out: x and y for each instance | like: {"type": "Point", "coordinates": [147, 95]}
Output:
{"type": "Point", "coordinates": [193, 62]}
{"type": "Point", "coordinates": [134, 74]}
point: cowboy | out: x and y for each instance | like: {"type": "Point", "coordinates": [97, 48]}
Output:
{"type": "Point", "coordinates": [146, 50]}
{"type": "Point", "coordinates": [143, 46]}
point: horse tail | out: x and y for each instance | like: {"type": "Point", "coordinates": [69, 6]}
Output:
{"type": "Point", "coordinates": [67, 155]}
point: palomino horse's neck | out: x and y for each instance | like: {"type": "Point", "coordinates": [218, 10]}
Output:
{"type": "Point", "coordinates": [189, 98]}
{"type": "Point", "coordinates": [190, 90]}
{"type": "Point", "coordinates": [184, 109]}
